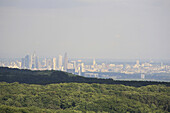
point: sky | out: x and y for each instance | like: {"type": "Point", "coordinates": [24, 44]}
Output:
{"type": "Point", "coordinates": [117, 29]}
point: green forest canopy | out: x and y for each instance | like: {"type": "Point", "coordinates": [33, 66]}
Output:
{"type": "Point", "coordinates": [83, 97]}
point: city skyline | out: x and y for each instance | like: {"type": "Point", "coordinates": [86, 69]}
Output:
{"type": "Point", "coordinates": [93, 56]}
{"type": "Point", "coordinates": [83, 28]}
{"type": "Point", "coordinates": [138, 70]}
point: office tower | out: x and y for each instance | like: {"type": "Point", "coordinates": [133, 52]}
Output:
{"type": "Point", "coordinates": [82, 67]}
{"type": "Point", "coordinates": [94, 62]}
{"type": "Point", "coordinates": [65, 62]}
{"type": "Point", "coordinates": [23, 63]}
{"type": "Point", "coordinates": [28, 61]}
{"type": "Point", "coordinates": [49, 64]}
{"type": "Point", "coordinates": [33, 61]}
{"type": "Point", "coordinates": [74, 64]}
{"type": "Point", "coordinates": [37, 62]}
{"type": "Point", "coordinates": [79, 70]}
{"type": "Point", "coordinates": [60, 62]}
{"type": "Point", "coordinates": [44, 62]}
{"type": "Point", "coordinates": [54, 63]}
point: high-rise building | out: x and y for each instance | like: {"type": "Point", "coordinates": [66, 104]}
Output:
{"type": "Point", "coordinates": [28, 62]}
{"type": "Point", "coordinates": [23, 63]}
{"type": "Point", "coordinates": [37, 62]}
{"type": "Point", "coordinates": [54, 63]}
{"type": "Point", "coordinates": [79, 70]}
{"type": "Point", "coordinates": [65, 62]}
{"type": "Point", "coordinates": [49, 64]}
{"type": "Point", "coordinates": [74, 66]}
{"type": "Point", "coordinates": [60, 63]}
{"type": "Point", "coordinates": [82, 67]}
{"type": "Point", "coordinates": [44, 62]}
{"type": "Point", "coordinates": [94, 62]}
{"type": "Point", "coordinates": [33, 61]}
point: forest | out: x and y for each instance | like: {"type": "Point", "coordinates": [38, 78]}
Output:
{"type": "Point", "coordinates": [83, 98]}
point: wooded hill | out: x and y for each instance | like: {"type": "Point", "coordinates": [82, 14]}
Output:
{"type": "Point", "coordinates": [61, 92]}
{"type": "Point", "coordinates": [50, 76]}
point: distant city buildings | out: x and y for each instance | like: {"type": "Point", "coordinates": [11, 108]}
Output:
{"type": "Point", "coordinates": [65, 62]}
{"type": "Point", "coordinates": [30, 62]}
{"type": "Point", "coordinates": [54, 63]}
{"type": "Point", "coordinates": [89, 69]}
{"type": "Point", "coordinates": [60, 63]}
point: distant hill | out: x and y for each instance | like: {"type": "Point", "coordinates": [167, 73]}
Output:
{"type": "Point", "coordinates": [51, 76]}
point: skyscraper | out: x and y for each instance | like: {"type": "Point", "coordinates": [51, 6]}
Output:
{"type": "Point", "coordinates": [33, 61]}
{"type": "Point", "coordinates": [49, 64]}
{"type": "Point", "coordinates": [74, 66]}
{"type": "Point", "coordinates": [65, 62]}
{"type": "Point", "coordinates": [37, 62]}
{"type": "Point", "coordinates": [60, 62]}
{"type": "Point", "coordinates": [23, 63]}
{"type": "Point", "coordinates": [28, 61]}
{"type": "Point", "coordinates": [44, 62]}
{"type": "Point", "coordinates": [94, 62]}
{"type": "Point", "coordinates": [79, 70]}
{"type": "Point", "coordinates": [82, 67]}
{"type": "Point", "coordinates": [54, 63]}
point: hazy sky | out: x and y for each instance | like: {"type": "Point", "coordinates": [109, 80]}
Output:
{"type": "Point", "coordinates": [118, 29]}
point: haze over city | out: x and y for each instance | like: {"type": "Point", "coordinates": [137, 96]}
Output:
{"type": "Point", "coordinates": [84, 56]}
{"type": "Point", "coordinates": [117, 29]}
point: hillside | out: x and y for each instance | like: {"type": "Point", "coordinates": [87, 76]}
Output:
{"type": "Point", "coordinates": [52, 91]}
{"type": "Point", "coordinates": [50, 76]}
{"type": "Point", "coordinates": [83, 97]}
